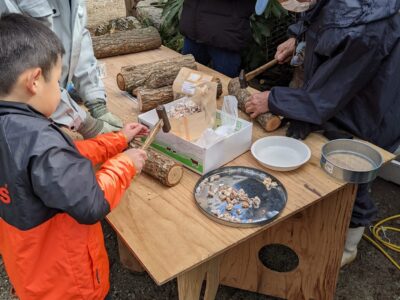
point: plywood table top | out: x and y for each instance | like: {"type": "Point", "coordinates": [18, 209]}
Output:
{"type": "Point", "coordinates": [163, 227]}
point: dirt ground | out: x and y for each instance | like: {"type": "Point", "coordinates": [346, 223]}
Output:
{"type": "Point", "coordinates": [370, 277]}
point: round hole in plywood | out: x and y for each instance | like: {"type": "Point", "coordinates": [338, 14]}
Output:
{"type": "Point", "coordinates": [278, 258]}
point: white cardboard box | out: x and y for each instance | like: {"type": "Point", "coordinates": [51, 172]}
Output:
{"type": "Point", "coordinates": [201, 160]}
{"type": "Point", "coordinates": [391, 172]}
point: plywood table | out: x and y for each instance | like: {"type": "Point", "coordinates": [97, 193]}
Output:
{"type": "Point", "coordinates": [162, 230]}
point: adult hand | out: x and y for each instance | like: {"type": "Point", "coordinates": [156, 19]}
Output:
{"type": "Point", "coordinates": [132, 130]}
{"type": "Point", "coordinates": [111, 119]}
{"type": "Point", "coordinates": [285, 51]}
{"type": "Point", "coordinates": [138, 157]}
{"type": "Point", "coordinates": [98, 110]}
{"type": "Point", "coordinates": [257, 104]}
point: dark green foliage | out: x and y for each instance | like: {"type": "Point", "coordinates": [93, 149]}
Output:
{"type": "Point", "coordinates": [169, 30]}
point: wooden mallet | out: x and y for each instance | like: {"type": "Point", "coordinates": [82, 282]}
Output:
{"type": "Point", "coordinates": [238, 87]}
{"type": "Point", "coordinates": [163, 123]}
{"type": "Point", "coordinates": [244, 78]}
{"type": "Point", "coordinates": [160, 166]}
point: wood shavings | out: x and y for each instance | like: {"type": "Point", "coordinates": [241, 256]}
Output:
{"type": "Point", "coordinates": [238, 204]}
{"type": "Point", "coordinates": [182, 109]}
{"type": "Point", "coordinates": [214, 178]}
{"type": "Point", "coordinates": [269, 184]}
{"type": "Point", "coordinates": [256, 202]}
{"type": "Point", "coordinates": [245, 204]}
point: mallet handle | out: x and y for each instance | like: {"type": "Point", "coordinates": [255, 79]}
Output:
{"type": "Point", "coordinates": [153, 134]}
{"type": "Point", "coordinates": [252, 74]}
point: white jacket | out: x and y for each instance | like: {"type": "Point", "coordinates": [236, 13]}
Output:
{"type": "Point", "coordinates": [79, 62]}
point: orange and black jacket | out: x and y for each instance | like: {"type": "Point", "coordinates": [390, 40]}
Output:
{"type": "Point", "coordinates": [51, 202]}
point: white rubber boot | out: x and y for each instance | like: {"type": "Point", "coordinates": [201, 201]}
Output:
{"type": "Point", "coordinates": [354, 236]}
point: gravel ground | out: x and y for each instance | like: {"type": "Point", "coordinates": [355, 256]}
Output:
{"type": "Point", "coordinates": [370, 277]}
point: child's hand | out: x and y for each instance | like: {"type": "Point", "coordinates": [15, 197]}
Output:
{"type": "Point", "coordinates": [132, 130]}
{"type": "Point", "coordinates": [138, 157]}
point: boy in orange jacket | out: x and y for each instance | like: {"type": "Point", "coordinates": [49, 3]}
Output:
{"type": "Point", "coordinates": [51, 200]}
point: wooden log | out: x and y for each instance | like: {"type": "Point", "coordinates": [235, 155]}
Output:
{"type": "Point", "coordinates": [119, 24]}
{"type": "Point", "coordinates": [160, 167]}
{"type": "Point", "coordinates": [125, 42]}
{"type": "Point", "coordinates": [151, 98]}
{"type": "Point", "coordinates": [153, 75]}
{"type": "Point", "coordinates": [268, 121]}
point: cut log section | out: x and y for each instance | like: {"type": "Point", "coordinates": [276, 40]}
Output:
{"type": "Point", "coordinates": [153, 75]}
{"type": "Point", "coordinates": [151, 98]}
{"type": "Point", "coordinates": [125, 42]}
{"type": "Point", "coordinates": [160, 167]}
{"type": "Point", "coordinates": [268, 121]}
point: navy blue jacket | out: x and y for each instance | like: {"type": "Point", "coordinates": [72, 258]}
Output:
{"type": "Point", "coordinates": [220, 23]}
{"type": "Point", "coordinates": [352, 70]}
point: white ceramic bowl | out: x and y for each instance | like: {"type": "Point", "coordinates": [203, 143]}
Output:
{"type": "Point", "coordinates": [281, 153]}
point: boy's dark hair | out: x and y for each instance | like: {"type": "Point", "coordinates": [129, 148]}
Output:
{"type": "Point", "coordinates": [25, 43]}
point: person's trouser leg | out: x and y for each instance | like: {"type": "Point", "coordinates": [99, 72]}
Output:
{"type": "Point", "coordinates": [364, 209]}
{"type": "Point", "coordinates": [225, 62]}
{"type": "Point", "coordinates": [198, 50]}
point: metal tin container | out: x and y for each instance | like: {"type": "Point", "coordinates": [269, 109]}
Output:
{"type": "Point", "coordinates": [251, 181]}
{"type": "Point", "coordinates": [351, 161]}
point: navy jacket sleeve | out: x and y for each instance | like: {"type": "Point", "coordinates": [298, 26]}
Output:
{"type": "Point", "coordinates": [296, 29]}
{"type": "Point", "coordinates": [64, 180]}
{"type": "Point", "coordinates": [346, 68]}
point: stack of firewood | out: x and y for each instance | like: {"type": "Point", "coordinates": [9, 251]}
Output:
{"type": "Point", "coordinates": [152, 83]}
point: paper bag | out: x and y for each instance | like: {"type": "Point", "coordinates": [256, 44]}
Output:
{"type": "Point", "coordinates": [197, 88]}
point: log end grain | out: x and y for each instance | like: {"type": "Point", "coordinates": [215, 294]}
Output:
{"type": "Point", "coordinates": [121, 82]}
{"type": "Point", "coordinates": [270, 121]}
{"type": "Point", "coordinates": [174, 176]}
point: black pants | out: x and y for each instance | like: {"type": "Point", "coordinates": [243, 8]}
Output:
{"type": "Point", "coordinates": [364, 210]}
{"type": "Point", "coordinates": [223, 61]}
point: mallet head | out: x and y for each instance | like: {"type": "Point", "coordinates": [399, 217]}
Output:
{"type": "Point", "coordinates": [242, 79]}
{"type": "Point", "coordinates": [162, 115]}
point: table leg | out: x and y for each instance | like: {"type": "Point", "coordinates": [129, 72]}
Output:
{"type": "Point", "coordinates": [127, 259]}
{"type": "Point", "coordinates": [190, 282]}
{"type": "Point", "coordinates": [316, 235]}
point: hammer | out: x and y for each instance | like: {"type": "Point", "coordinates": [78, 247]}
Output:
{"type": "Point", "coordinates": [244, 78]}
{"type": "Point", "coordinates": [163, 123]}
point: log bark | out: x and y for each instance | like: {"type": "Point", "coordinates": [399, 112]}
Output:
{"type": "Point", "coordinates": [268, 121]}
{"type": "Point", "coordinates": [114, 25]}
{"type": "Point", "coordinates": [161, 167]}
{"type": "Point", "coordinates": [151, 98]}
{"type": "Point", "coordinates": [153, 75]}
{"type": "Point", "coordinates": [125, 42]}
